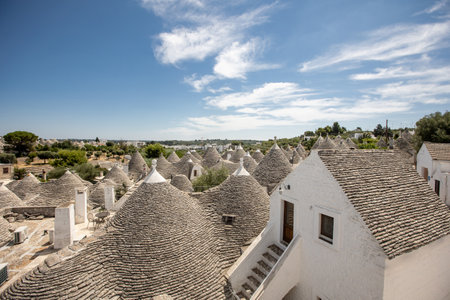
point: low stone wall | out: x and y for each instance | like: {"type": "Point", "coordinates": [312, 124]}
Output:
{"type": "Point", "coordinates": [46, 211]}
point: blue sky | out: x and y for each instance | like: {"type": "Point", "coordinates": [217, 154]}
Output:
{"type": "Point", "coordinates": [192, 69]}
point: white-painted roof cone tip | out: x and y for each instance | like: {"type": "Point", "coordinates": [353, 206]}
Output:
{"type": "Point", "coordinates": [241, 171]}
{"type": "Point", "coordinates": [154, 176]}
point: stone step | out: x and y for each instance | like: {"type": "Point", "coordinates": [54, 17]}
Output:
{"type": "Point", "coordinates": [259, 273]}
{"type": "Point", "coordinates": [264, 266]}
{"type": "Point", "coordinates": [242, 296]}
{"type": "Point", "coordinates": [255, 282]}
{"type": "Point", "coordinates": [275, 249]}
{"type": "Point", "coordinates": [270, 258]}
{"type": "Point", "coordinates": [248, 289]}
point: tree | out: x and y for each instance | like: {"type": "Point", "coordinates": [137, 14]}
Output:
{"type": "Point", "coordinates": [337, 129]}
{"type": "Point", "coordinates": [88, 171]}
{"type": "Point", "coordinates": [309, 133]}
{"type": "Point", "coordinates": [378, 130]}
{"type": "Point", "coordinates": [46, 155]}
{"type": "Point", "coordinates": [433, 128]}
{"type": "Point", "coordinates": [7, 158]}
{"type": "Point", "coordinates": [21, 141]}
{"type": "Point", "coordinates": [153, 150]}
{"type": "Point", "coordinates": [69, 158]}
{"type": "Point", "coordinates": [209, 179]}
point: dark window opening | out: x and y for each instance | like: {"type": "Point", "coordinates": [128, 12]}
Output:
{"type": "Point", "coordinates": [437, 186]}
{"type": "Point", "coordinates": [195, 173]}
{"type": "Point", "coordinates": [326, 228]}
{"type": "Point", "coordinates": [228, 219]}
{"type": "Point", "coordinates": [5, 170]}
{"type": "Point", "coordinates": [425, 173]}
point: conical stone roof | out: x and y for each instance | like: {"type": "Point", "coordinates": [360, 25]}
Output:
{"type": "Point", "coordinates": [28, 187]}
{"type": "Point", "coordinates": [340, 143]}
{"type": "Point", "coordinates": [185, 164]}
{"type": "Point", "coordinates": [382, 143]}
{"type": "Point", "coordinates": [211, 157]}
{"type": "Point", "coordinates": [196, 155]}
{"type": "Point", "coordinates": [317, 143]}
{"type": "Point", "coordinates": [225, 155]}
{"type": "Point", "coordinates": [237, 154]}
{"type": "Point", "coordinates": [159, 242]}
{"type": "Point", "coordinates": [164, 167]}
{"type": "Point", "coordinates": [182, 183]}
{"type": "Point", "coordinates": [296, 158]}
{"type": "Point", "coordinates": [288, 153]}
{"type": "Point", "coordinates": [243, 198]}
{"type": "Point", "coordinates": [97, 196]}
{"type": "Point", "coordinates": [118, 176]}
{"type": "Point", "coordinates": [190, 156]}
{"type": "Point", "coordinates": [350, 143]}
{"type": "Point", "coordinates": [8, 198]}
{"type": "Point", "coordinates": [57, 192]}
{"type": "Point", "coordinates": [137, 165]}
{"type": "Point", "coordinates": [231, 166]}
{"type": "Point", "coordinates": [301, 151]}
{"type": "Point", "coordinates": [249, 163]}
{"type": "Point", "coordinates": [327, 143]}
{"type": "Point", "coordinates": [273, 168]}
{"type": "Point", "coordinates": [173, 157]}
{"type": "Point", "coordinates": [258, 156]}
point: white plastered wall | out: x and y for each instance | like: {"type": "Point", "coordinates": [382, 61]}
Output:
{"type": "Point", "coordinates": [420, 274]}
{"type": "Point", "coordinates": [351, 269]}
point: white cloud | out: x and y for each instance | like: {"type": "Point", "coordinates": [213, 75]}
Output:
{"type": "Point", "coordinates": [428, 74]}
{"type": "Point", "coordinates": [387, 44]}
{"type": "Point", "coordinates": [238, 59]}
{"type": "Point", "coordinates": [209, 37]}
{"type": "Point", "coordinates": [200, 83]}
{"type": "Point", "coordinates": [272, 92]}
{"type": "Point", "coordinates": [414, 91]}
{"type": "Point", "coordinates": [435, 7]}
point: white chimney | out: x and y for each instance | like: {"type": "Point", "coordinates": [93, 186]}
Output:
{"type": "Point", "coordinates": [64, 226]}
{"type": "Point", "coordinates": [80, 205]}
{"type": "Point", "coordinates": [109, 197]}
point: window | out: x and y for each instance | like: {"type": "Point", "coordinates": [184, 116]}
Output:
{"type": "Point", "coordinates": [326, 228]}
{"type": "Point", "coordinates": [195, 173]}
{"type": "Point", "coordinates": [437, 186]}
{"type": "Point", "coordinates": [228, 219]}
{"type": "Point", "coordinates": [5, 170]}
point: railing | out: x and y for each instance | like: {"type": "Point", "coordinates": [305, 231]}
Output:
{"type": "Point", "coordinates": [277, 269]}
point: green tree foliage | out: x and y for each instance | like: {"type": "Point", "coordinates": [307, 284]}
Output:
{"type": "Point", "coordinates": [433, 128]}
{"type": "Point", "coordinates": [381, 131]}
{"type": "Point", "coordinates": [309, 133]}
{"type": "Point", "coordinates": [21, 141]}
{"type": "Point", "coordinates": [7, 158]}
{"type": "Point", "coordinates": [45, 155]}
{"type": "Point", "coordinates": [209, 179]}
{"type": "Point", "coordinates": [69, 158]}
{"type": "Point", "coordinates": [153, 150]}
{"type": "Point", "coordinates": [67, 144]}
{"type": "Point", "coordinates": [336, 129]}
{"type": "Point", "coordinates": [88, 171]}
{"type": "Point", "coordinates": [56, 173]}
{"type": "Point", "coordinates": [98, 154]}
{"type": "Point", "coordinates": [19, 173]}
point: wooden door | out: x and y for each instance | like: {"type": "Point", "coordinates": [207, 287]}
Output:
{"type": "Point", "coordinates": [288, 222]}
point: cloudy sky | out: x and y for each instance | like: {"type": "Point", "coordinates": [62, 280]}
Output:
{"type": "Point", "coordinates": [192, 69]}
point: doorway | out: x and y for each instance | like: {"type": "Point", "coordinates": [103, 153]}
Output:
{"type": "Point", "coordinates": [288, 222]}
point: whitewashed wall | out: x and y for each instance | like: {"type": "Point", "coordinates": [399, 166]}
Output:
{"type": "Point", "coordinates": [420, 274]}
{"type": "Point", "coordinates": [424, 160]}
{"type": "Point", "coordinates": [352, 269]}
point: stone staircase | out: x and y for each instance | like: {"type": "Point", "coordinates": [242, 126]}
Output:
{"type": "Point", "coordinates": [260, 271]}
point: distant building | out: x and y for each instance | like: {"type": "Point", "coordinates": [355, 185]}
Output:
{"type": "Point", "coordinates": [6, 171]}
{"type": "Point", "coordinates": [349, 224]}
{"type": "Point", "coordinates": [433, 164]}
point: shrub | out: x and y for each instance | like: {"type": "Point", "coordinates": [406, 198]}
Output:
{"type": "Point", "coordinates": [69, 158]}
{"type": "Point", "coordinates": [209, 179]}
{"type": "Point", "coordinates": [89, 172]}
{"type": "Point", "coordinates": [19, 173]}
{"type": "Point", "coordinates": [7, 158]}
{"type": "Point", "coordinates": [56, 173]}
{"type": "Point", "coordinates": [46, 155]}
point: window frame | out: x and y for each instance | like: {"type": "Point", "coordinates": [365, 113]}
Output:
{"type": "Point", "coordinates": [322, 234]}
{"type": "Point", "coordinates": [336, 215]}
{"type": "Point", "coordinates": [437, 187]}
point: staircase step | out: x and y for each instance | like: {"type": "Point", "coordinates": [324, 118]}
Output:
{"type": "Point", "coordinates": [270, 258]}
{"type": "Point", "coordinates": [242, 296]}
{"type": "Point", "coordinates": [264, 266]}
{"type": "Point", "coordinates": [248, 288]}
{"type": "Point", "coordinates": [259, 273]}
{"type": "Point", "coordinates": [254, 281]}
{"type": "Point", "coordinates": [277, 250]}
